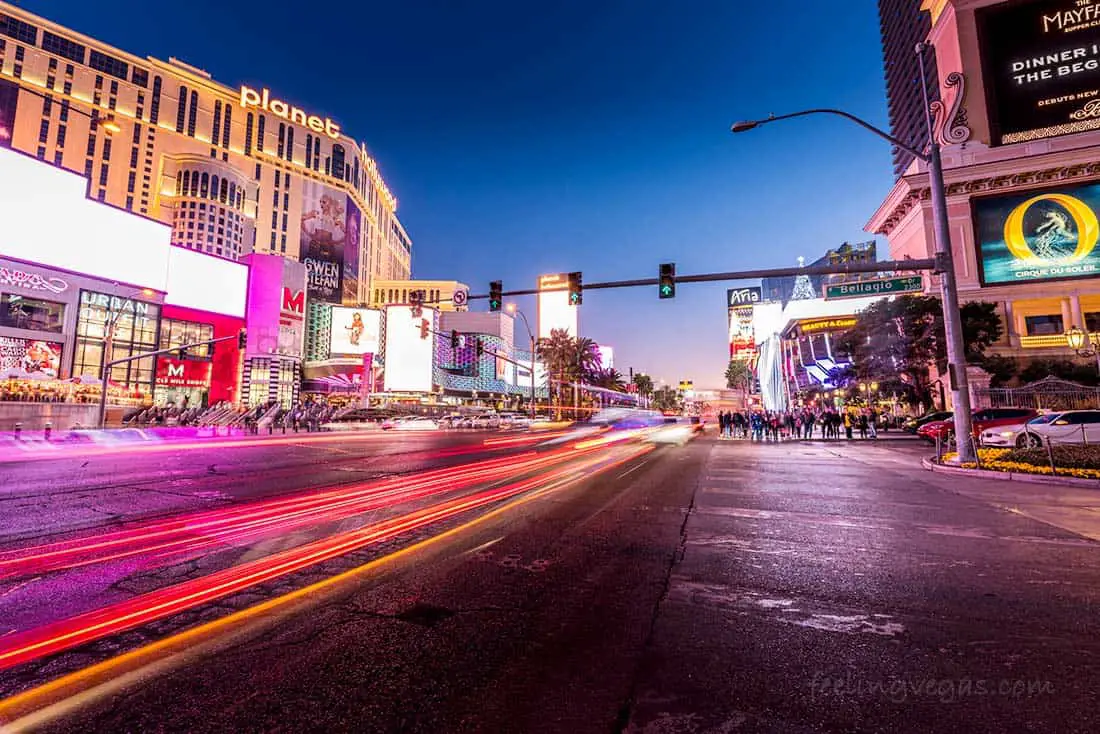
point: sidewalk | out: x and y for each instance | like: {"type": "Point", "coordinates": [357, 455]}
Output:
{"type": "Point", "coordinates": [883, 437]}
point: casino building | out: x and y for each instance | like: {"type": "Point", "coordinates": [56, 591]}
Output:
{"type": "Point", "coordinates": [1020, 125]}
{"type": "Point", "coordinates": [232, 170]}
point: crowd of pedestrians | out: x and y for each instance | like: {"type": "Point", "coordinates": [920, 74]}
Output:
{"type": "Point", "coordinates": [761, 425]}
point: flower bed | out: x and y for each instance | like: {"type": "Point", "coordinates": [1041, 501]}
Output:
{"type": "Point", "coordinates": [1082, 462]}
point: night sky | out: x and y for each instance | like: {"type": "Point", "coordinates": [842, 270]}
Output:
{"type": "Point", "coordinates": [525, 138]}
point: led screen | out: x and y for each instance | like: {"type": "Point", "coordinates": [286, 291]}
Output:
{"type": "Point", "coordinates": [408, 357]}
{"type": "Point", "coordinates": [556, 313]}
{"type": "Point", "coordinates": [355, 331]}
{"type": "Point", "coordinates": [206, 283]}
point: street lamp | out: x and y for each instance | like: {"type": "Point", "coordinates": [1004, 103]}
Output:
{"type": "Point", "coordinates": [108, 347]}
{"type": "Point", "coordinates": [513, 309]}
{"type": "Point", "coordinates": [952, 318]}
{"type": "Point", "coordinates": [1082, 342]}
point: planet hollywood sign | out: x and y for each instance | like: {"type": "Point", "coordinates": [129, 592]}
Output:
{"type": "Point", "coordinates": [262, 100]}
{"type": "Point", "coordinates": [31, 281]}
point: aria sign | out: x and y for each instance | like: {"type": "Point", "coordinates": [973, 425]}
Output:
{"type": "Point", "coordinates": [262, 100]}
{"type": "Point", "coordinates": [742, 296]}
{"type": "Point", "coordinates": [31, 281]}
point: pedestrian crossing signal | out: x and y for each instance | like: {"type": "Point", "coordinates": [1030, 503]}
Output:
{"type": "Point", "coordinates": [666, 281]}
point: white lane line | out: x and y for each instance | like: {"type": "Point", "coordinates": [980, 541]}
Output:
{"type": "Point", "coordinates": [634, 469]}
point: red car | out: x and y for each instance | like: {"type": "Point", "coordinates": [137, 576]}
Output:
{"type": "Point", "coordinates": [980, 421]}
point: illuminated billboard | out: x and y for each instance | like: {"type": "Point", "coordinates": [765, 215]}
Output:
{"type": "Point", "coordinates": [1040, 61]}
{"type": "Point", "coordinates": [48, 220]}
{"type": "Point", "coordinates": [1049, 234]}
{"type": "Point", "coordinates": [355, 331]}
{"type": "Point", "coordinates": [607, 356]}
{"type": "Point", "coordinates": [408, 357]}
{"type": "Point", "coordinates": [322, 239]}
{"type": "Point", "coordinates": [554, 310]}
{"type": "Point", "coordinates": [29, 358]}
{"type": "Point", "coordinates": [742, 334]}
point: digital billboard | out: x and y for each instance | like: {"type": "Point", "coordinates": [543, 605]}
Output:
{"type": "Point", "coordinates": [554, 310]}
{"type": "Point", "coordinates": [355, 331]}
{"type": "Point", "coordinates": [742, 335]}
{"type": "Point", "coordinates": [206, 283]}
{"type": "Point", "coordinates": [352, 227]}
{"type": "Point", "coordinates": [322, 239]}
{"type": "Point", "coordinates": [1041, 65]}
{"type": "Point", "coordinates": [408, 357]}
{"type": "Point", "coordinates": [1050, 234]}
{"type": "Point", "coordinates": [29, 357]}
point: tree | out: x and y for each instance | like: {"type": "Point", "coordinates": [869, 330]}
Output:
{"type": "Point", "coordinates": [1001, 369]}
{"type": "Point", "coordinates": [610, 379]}
{"type": "Point", "coordinates": [586, 359]}
{"type": "Point", "coordinates": [644, 384]}
{"type": "Point", "coordinates": [668, 400]}
{"type": "Point", "coordinates": [897, 342]}
{"type": "Point", "coordinates": [739, 376]}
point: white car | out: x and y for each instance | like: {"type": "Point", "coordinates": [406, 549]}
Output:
{"type": "Point", "coordinates": [418, 423]}
{"type": "Point", "coordinates": [1005, 436]}
{"type": "Point", "coordinates": [1066, 427]}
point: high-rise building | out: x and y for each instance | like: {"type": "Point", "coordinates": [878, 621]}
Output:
{"type": "Point", "coordinates": [903, 25]}
{"type": "Point", "coordinates": [232, 170]}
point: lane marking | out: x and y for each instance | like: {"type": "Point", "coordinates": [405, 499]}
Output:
{"type": "Point", "coordinates": [633, 469]}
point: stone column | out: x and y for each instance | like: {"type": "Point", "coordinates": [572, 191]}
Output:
{"type": "Point", "coordinates": [1067, 315]}
{"type": "Point", "coordinates": [1075, 311]}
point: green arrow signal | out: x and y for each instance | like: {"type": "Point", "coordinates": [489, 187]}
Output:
{"type": "Point", "coordinates": [666, 289]}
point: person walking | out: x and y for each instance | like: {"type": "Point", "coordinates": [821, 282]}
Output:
{"type": "Point", "coordinates": [863, 426]}
{"type": "Point", "coordinates": [848, 424]}
{"type": "Point", "coordinates": [808, 425]}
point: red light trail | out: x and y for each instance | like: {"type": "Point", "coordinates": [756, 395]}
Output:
{"type": "Point", "coordinates": [25, 646]}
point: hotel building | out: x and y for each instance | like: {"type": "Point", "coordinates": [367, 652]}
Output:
{"type": "Point", "coordinates": [233, 170]}
{"type": "Point", "coordinates": [1020, 127]}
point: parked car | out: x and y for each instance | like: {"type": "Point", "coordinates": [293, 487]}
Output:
{"type": "Point", "coordinates": [453, 420]}
{"type": "Point", "coordinates": [1066, 427]}
{"type": "Point", "coordinates": [981, 421]}
{"type": "Point", "coordinates": [356, 420]}
{"type": "Point", "coordinates": [912, 424]}
{"type": "Point", "coordinates": [417, 423]}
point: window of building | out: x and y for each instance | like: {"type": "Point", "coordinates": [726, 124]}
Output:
{"type": "Point", "coordinates": [17, 29]}
{"type": "Point", "coordinates": [175, 333]}
{"type": "Point", "coordinates": [309, 151]}
{"type": "Point", "coordinates": [103, 174]}
{"type": "Point", "coordinates": [1092, 322]}
{"type": "Point", "coordinates": [1044, 325]}
{"type": "Point", "coordinates": [204, 187]}
{"type": "Point", "coordinates": [136, 331]}
{"type": "Point", "coordinates": [290, 144]}
{"type": "Point", "coordinates": [181, 110]}
{"type": "Point", "coordinates": [109, 65]}
{"type": "Point", "coordinates": [223, 192]}
{"type": "Point", "coordinates": [260, 134]}
{"type": "Point", "coordinates": [32, 314]}
{"type": "Point", "coordinates": [316, 153]}
{"type": "Point", "coordinates": [192, 113]}
{"type": "Point", "coordinates": [338, 161]}
{"type": "Point", "coordinates": [226, 127]}
{"type": "Point", "coordinates": [55, 44]}
{"type": "Point", "coordinates": [44, 131]}
{"type": "Point", "coordinates": [154, 108]}
{"type": "Point", "coordinates": [140, 77]}
{"type": "Point", "coordinates": [64, 114]}
{"type": "Point", "coordinates": [57, 158]}
{"type": "Point", "coordinates": [216, 131]}
{"type": "Point", "coordinates": [281, 148]}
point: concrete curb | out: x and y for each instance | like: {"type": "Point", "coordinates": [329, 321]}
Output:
{"type": "Point", "coordinates": [1005, 476]}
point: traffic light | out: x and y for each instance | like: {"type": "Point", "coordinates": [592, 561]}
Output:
{"type": "Point", "coordinates": [480, 349]}
{"type": "Point", "coordinates": [666, 287]}
{"type": "Point", "coordinates": [576, 289]}
{"type": "Point", "coordinates": [415, 304]}
{"type": "Point", "coordinates": [242, 338]}
{"type": "Point", "coordinates": [425, 328]}
{"type": "Point", "coordinates": [182, 354]}
{"type": "Point", "coordinates": [496, 295]}
{"type": "Point", "coordinates": [454, 340]}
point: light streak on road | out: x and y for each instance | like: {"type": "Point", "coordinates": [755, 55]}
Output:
{"type": "Point", "coordinates": [25, 646]}
{"type": "Point", "coordinates": [188, 535]}
{"type": "Point", "coordinates": [31, 709]}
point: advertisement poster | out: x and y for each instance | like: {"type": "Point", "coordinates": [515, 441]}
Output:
{"type": "Point", "coordinates": [741, 333]}
{"type": "Point", "coordinates": [352, 229]}
{"type": "Point", "coordinates": [9, 97]}
{"type": "Point", "coordinates": [29, 357]}
{"type": "Point", "coordinates": [354, 331]}
{"type": "Point", "coordinates": [1038, 235]}
{"type": "Point", "coordinates": [182, 372]}
{"type": "Point", "coordinates": [324, 222]}
{"type": "Point", "coordinates": [408, 357]}
{"type": "Point", "coordinates": [1042, 68]}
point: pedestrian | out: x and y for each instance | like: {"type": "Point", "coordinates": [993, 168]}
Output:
{"type": "Point", "coordinates": [808, 425]}
{"type": "Point", "coordinates": [848, 424]}
{"type": "Point", "coordinates": [863, 426]}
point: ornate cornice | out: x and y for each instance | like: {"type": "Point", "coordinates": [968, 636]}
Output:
{"type": "Point", "coordinates": [919, 190]}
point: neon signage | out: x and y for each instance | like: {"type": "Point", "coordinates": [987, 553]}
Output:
{"type": "Point", "coordinates": [262, 100]}
{"type": "Point", "coordinates": [31, 281]}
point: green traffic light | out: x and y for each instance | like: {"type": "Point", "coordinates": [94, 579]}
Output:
{"type": "Point", "coordinates": [666, 289]}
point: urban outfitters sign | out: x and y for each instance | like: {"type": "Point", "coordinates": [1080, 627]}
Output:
{"type": "Point", "coordinates": [1041, 63]}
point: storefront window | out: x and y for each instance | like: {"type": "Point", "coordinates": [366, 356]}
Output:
{"type": "Point", "coordinates": [1044, 325]}
{"type": "Point", "coordinates": [1092, 322]}
{"type": "Point", "coordinates": [136, 331]}
{"type": "Point", "coordinates": [175, 333]}
{"type": "Point", "coordinates": [20, 312]}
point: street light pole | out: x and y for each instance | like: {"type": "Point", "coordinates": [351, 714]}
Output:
{"type": "Point", "coordinates": [952, 316]}
{"type": "Point", "coordinates": [512, 308]}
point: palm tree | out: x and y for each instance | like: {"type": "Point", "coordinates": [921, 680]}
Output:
{"type": "Point", "coordinates": [611, 379]}
{"type": "Point", "coordinates": [557, 353]}
{"type": "Point", "coordinates": [739, 376]}
{"type": "Point", "coordinates": [644, 385]}
{"type": "Point", "coordinates": [586, 359]}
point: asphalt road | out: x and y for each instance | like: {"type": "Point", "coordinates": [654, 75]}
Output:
{"type": "Point", "coordinates": [713, 588]}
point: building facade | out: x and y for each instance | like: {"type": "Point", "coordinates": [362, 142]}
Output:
{"type": "Point", "coordinates": [1020, 126]}
{"type": "Point", "coordinates": [232, 170]}
{"type": "Point", "coordinates": [903, 25]}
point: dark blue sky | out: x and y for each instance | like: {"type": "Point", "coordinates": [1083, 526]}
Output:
{"type": "Point", "coordinates": [523, 138]}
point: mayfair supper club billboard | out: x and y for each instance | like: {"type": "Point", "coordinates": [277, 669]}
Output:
{"type": "Point", "coordinates": [1041, 63]}
{"type": "Point", "coordinates": [1045, 234]}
